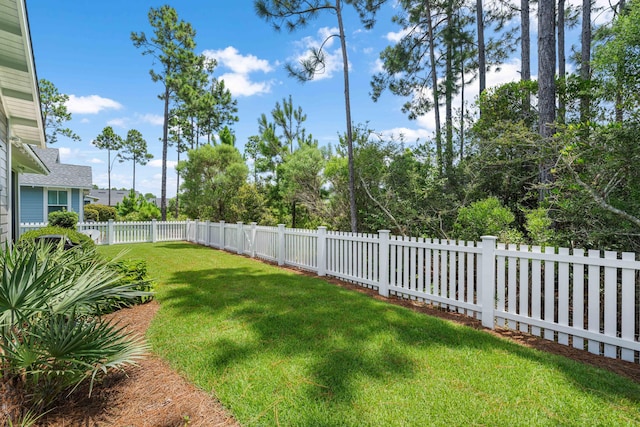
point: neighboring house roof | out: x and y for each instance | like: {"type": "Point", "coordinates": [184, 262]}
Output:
{"type": "Point", "coordinates": [19, 93]}
{"type": "Point", "coordinates": [61, 174]}
{"type": "Point", "coordinates": [101, 197]}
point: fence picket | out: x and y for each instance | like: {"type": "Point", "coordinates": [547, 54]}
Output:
{"type": "Point", "coordinates": [563, 296]}
{"type": "Point", "coordinates": [549, 293]}
{"type": "Point", "coordinates": [536, 290]}
{"type": "Point", "coordinates": [578, 299]}
{"type": "Point", "coordinates": [610, 303]}
{"type": "Point", "coordinates": [524, 289]}
{"type": "Point", "coordinates": [594, 301]}
{"type": "Point", "coordinates": [512, 288]}
{"type": "Point", "coordinates": [628, 327]}
{"type": "Point", "coordinates": [501, 286]}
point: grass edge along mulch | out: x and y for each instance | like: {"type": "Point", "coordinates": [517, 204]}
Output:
{"type": "Point", "coordinates": [245, 371]}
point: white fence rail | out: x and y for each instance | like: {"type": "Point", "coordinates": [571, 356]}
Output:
{"type": "Point", "coordinates": [588, 300]}
{"type": "Point", "coordinates": [112, 232]}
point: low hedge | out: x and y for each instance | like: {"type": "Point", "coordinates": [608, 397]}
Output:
{"type": "Point", "coordinates": [75, 237]}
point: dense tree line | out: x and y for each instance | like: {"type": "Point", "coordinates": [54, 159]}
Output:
{"type": "Point", "coordinates": [546, 161]}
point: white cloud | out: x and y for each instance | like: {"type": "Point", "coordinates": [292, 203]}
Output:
{"type": "Point", "coordinates": [229, 57]}
{"type": "Point", "coordinates": [128, 122]}
{"type": "Point", "coordinates": [92, 104]}
{"type": "Point", "coordinates": [157, 163]}
{"type": "Point", "coordinates": [406, 134]}
{"type": "Point", "coordinates": [332, 58]}
{"type": "Point", "coordinates": [153, 119]}
{"type": "Point", "coordinates": [396, 36]}
{"type": "Point", "coordinates": [241, 85]}
{"type": "Point", "coordinates": [120, 123]}
{"type": "Point", "coordinates": [64, 151]}
{"type": "Point", "coordinates": [95, 161]}
{"type": "Point", "coordinates": [378, 66]}
{"type": "Point", "coordinates": [238, 80]}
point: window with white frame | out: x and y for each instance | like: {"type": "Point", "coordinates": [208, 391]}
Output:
{"type": "Point", "coordinates": [57, 201]}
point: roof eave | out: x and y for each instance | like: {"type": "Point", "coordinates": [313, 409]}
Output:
{"type": "Point", "coordinates": [25, 160]}
{"type": "Point", "coordinates": [19, 92]}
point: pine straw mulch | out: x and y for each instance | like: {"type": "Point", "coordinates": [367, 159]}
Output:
{"type": "Point", "coordinates": [152, 394]}
{"type": "Point", "coordinates": [148, 395]}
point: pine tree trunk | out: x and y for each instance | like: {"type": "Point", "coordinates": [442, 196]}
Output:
{"type": "Point", "coordinates": [165, 144]}
{"type": "Point", "coordinates": [562, 63]}
{"type": "Point", "coordinates": [347, 102]}
{"type": "Point", "coordinates": [482, 63]}
{"type": "Point", "coordinates": [585, 58]}
{"type": "Point", "coordinates": [618, 106]}
{"type": "Point", "coordinates": [525, 54]}
{"type": "Point", "coordinates": [178, 185]}
{"type": "Point", "coordinates": [434, 85]}
{"type": "Point", "coordinates": [546, 85]}
{"type": "Point", "coordinates": [449, 82]}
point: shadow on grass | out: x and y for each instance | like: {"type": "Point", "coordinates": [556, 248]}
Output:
{"type": "Point", "coordinates": [342, 335]}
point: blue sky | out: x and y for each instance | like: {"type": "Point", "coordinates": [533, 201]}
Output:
{"type": "Point", "coordinates": [84, 48]}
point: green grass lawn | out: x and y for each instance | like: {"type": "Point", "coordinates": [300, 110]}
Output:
{"type": "Point", "coordinates": [277, 348]}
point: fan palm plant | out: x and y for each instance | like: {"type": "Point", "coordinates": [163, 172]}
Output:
{"type": "Point", "coordinates": [51, 338]}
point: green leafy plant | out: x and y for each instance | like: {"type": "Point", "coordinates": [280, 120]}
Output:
{"type": "Point", "coordinates": [132, 273]}
{"type": "Point", "coordinates": [90, 214]}
{"type": "Point", "coordinates": [539, 226]}
{"type": "Point", "coordinates": [105, 213]}
{"type": "Point", "coordinates": [63, 219]}
{"type": "Point", "coordinates": [51, 339]}
{"type": "Point", "coordinates": [486, 217]}
{"type": "Point", "coordinates": [137, 208]}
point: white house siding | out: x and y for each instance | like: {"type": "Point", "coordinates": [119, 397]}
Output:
{"type": "Point", "coordinates": [5, 227]}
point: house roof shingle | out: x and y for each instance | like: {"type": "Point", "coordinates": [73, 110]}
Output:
{"type": "Point", "coordinates": [61, 174]}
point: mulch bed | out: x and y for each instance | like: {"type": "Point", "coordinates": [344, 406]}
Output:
{"type": "Point", "coordinates": [148, 395]}
{"type": "Point", "coordinates": [152, 394]}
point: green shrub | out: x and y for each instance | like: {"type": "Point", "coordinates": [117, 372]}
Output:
{"type": "Point", "coordinates": [90, 214]}
{"type": "Point", "coordinates": [486, 217]}
{"type": "Point", "coordinates": [137, 208]}
{"type": "Point", "coordinates": [64, 219]}
{"type": "Point", "coordinates": [539, 226]}
{"type": "Point", "coordinates": [105, 213]}
{"type": "Point", "coordinates": [76, 237]}
{"type": "Point", "coordinates": [133, 275]}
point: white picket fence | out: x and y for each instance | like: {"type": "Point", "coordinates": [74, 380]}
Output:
{"type": "Point", "coordinates": [587, 300]}
{"type": "Point", "coordinates": [113, 233]}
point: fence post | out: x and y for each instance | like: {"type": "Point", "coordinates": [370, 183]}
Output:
{"type": "Point", "coordinates": [253, 239]}
{"type": "Point", "coordinates": [487, 286]}
{"type": "Point", "coordinates": [154, 231]}
{"type": "Point", "coordinates": [281, 244]}
{"type": "Point", "coordinates": [383, 262]}
{"type": "Point", "coordinates": [110, 232]}
{"type": "Point", "coordinates": [239, 239]}
{"type": "Point", "coordinates": [221, 235]}
{"type": "Point", "coordinates": [322, 251]}
{"type": "Point", "coordinates": [197, 227]}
